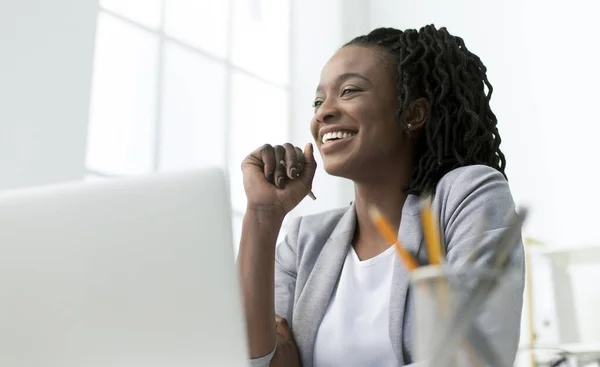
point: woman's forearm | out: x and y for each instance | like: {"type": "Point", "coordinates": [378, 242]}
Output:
{"type": "Point", "coordinates": [256, 266]}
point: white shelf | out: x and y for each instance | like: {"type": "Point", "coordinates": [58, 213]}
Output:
{"type": "Point", "coordinates": [587, 254]}
{"type": "Point", "coordinates": [566, 296]}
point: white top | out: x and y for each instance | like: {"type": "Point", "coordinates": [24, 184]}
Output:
{"type": "Point", "coordinates": [355, 328]}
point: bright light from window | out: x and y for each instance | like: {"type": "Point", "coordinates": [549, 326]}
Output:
{"type": "Point", "coordinates": [259, 116]}
{"type": "Point", "coordinates": [200, 23]}
{"type": "Point", "coordinates": [261, 38]}
{"type": "Point", "coordinates": [123, 109]}
{"type": "Point", "coordinates": [193, 119]}
{"type": "Point", "coordinates": [220, 68]}
{"type": "Point", "coordinates": [145, 12]}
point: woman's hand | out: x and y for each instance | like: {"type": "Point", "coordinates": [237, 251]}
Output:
{"type": "Point", "coordinates": [287, 351]}
{"type": "Point", "coordinates": [273, 185]}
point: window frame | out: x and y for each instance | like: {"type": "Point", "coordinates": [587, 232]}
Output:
{"type": "Point", "coordinates": [163, 37]}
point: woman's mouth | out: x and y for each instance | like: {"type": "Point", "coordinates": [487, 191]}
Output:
{"type": "Point", "coordinates": [337, 135]}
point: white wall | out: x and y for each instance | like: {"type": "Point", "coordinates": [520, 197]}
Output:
{"type": "Point", "coordinates": [46, 50]}
{"type": "Point", "coordinates": [541, 62]}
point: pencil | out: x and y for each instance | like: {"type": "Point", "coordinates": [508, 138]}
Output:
{"type": "Point", "coordinates": [310, 193]}
{"type": "Point", "coordinates": [388, 234]}
{"type": "Point", "coordinates": [432, 234]}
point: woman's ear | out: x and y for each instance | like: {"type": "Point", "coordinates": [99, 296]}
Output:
{"type": "Point", "coordinates": [416, 114]}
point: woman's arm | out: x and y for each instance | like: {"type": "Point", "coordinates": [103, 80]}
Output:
{"type": "Point", "coordinates": [476, 213]}
{"type": "Point", "coordinates": [256, 263]}
{"type": "Point", "coordinates": [281, 350]}
{"type": "Point", "coordinates": [287, 351]}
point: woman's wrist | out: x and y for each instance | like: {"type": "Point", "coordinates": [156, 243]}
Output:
{"type": "Point", "coordinates": [271, 214]}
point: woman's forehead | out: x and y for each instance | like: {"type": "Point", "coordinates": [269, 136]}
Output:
{"type": "Point", "coordinates": [368, 61]}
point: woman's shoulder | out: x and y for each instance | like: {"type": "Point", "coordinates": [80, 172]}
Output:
{"type": "Point", "coordinates": [475, 174]}
{"type": "Point", "coordinates": [471, 180]}
{"type": "Point", "coordinates": [471, 191]}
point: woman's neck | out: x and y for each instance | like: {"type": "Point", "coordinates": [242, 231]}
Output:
{"type": "Point", "coordinates": [388, 196]}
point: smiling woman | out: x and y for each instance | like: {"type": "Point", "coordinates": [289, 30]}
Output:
{"type": "Point", "coordinates": [401, 114]}
{"type": "Point", "coordinates": [357, 94]}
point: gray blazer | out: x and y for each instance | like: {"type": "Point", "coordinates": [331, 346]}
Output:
{"type": "Point", "coordinates": [309, 261]}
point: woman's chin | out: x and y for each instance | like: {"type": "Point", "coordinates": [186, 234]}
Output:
{"type": "Point", "coordinates": [338, 169]}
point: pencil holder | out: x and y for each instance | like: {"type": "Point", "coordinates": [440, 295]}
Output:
{"type": "Point", "coordinates": [438, 293]}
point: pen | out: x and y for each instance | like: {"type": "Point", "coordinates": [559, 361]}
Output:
{"type": "Point", "coordinates": [310, 193]}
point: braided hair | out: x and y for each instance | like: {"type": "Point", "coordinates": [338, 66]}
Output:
{"type": "Point", "coordinates": [461, 129]}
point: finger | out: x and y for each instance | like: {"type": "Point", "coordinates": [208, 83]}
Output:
{"type": "Point", "coordinates": [280, 172]}
{"type": "Point", "coordinates": [254, 158]}
{"type": "Point", "coordinates": [291, 161]}
{"type": "Point", "coordinates": [310, 166]}
{"type": "Point", "coordinates": [283, 329]}
{"type": "Point", "coordinates": [301, 160]}
{"type": "Point", "coordinates": [268, 158]}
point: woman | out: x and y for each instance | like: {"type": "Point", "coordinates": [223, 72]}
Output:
{"type": "Point", "coordinates": [400, 113]}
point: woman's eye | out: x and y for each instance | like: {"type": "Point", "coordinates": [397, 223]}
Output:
{"type": "Point", "coordinates": [317, 103]}
{"type": "Point", "coordinates": [349, 90]}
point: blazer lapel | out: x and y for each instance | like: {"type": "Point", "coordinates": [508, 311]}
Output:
{"type": "Point", "coordinates": [410, 236]}
{"type": "Point", "coordinates": [317, 292]}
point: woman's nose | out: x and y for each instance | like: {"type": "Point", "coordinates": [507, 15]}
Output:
{"type": "Point", "coordinates": [327, 111]}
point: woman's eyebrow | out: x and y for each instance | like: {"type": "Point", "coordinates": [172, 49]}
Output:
{"type": "Point", "coordinates": [346, 76]}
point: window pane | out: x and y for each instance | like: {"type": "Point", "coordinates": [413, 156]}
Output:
{"type": "Point", "coordinates": [259, 115]}
{"type": "Point", "coordinates": [201, 23]}
{"type": "Point", "coordinates": [261, 37]}
{"type": "Point", "coordinates": [193, 118]}
{"type": "Point", "coordinates": [146, 12]}
{"type": "Point", "coordinates": [122, 113]}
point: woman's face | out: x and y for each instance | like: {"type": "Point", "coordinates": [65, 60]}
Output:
{"type": "Point", "coordinates": [355, 125]}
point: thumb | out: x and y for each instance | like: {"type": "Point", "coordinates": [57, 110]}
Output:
{"type": "Point", "coordinates": [310, 166]}
{"type": "Point", "coordinates": [283, 329]}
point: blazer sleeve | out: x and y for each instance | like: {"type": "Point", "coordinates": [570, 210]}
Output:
{"type": "Point", "coordinates": [285, 282]}
{"type": "Point", "coordinates": [476, 209]}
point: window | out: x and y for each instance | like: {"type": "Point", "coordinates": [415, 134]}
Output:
{"type": "Point", "coordinates": [182, 84]}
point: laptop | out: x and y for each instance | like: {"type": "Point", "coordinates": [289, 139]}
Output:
{"type": "Point", "coordinates": [124, 272]}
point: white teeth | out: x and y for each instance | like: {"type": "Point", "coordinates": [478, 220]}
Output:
{"type": "Point", "coordinates": [337, 135]}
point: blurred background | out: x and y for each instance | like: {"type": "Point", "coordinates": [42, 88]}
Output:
{"type": "Point", "coordinates": [100, 89]}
